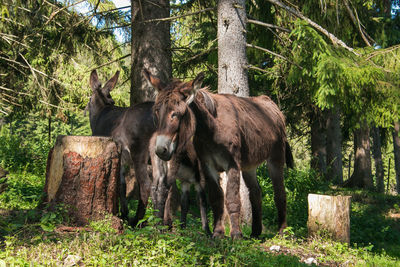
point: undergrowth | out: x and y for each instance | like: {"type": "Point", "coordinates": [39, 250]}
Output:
{"type": "Point", "coordinates": [29, 235]}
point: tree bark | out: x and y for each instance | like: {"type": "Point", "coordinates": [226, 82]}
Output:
{"type": "Point", "coordinates": [377, 154]}
{"type": "Point", "coordinates": [232, 59]}
{"type": "Point", "coordinates": [83, 174]}
{"type": "Point", "coordinates": [232, 71]}
{"type": "Point", "coordinates": [318, 142]}
{"type": "Point", "coordinates": [334, 147]}
{"type": "Point", "coordinates": [396, 151]}
{"type": "Point", "coordinates": [362, 176]}
{"type": "Point", "coordinates": [151, 47]}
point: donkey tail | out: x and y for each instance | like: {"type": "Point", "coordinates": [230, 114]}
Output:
{"type": "Point", "coordinates": [289, 156]}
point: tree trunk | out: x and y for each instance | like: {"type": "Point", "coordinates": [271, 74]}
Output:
{"type": "Point", "coordinates": [232, 60]}
{"type": "Point", "coordinates": [362, 176]}
{"type": "Point", "coordinates": [232, 71]}
{"type": "Point", "coordinates": [83, 174]}
{"type": "Point", "coordinates": [330, 213]}
{"type": "Point", "coordinates": [151, 47]}
{"type": "Point", "coordinates": [396, 151]}
{"type": "Point", "coordinates": [377, 154]}
{"type": "Point", "coordinates": [334, 147]}
{"type": "Point", "coordinates": [318, 142]}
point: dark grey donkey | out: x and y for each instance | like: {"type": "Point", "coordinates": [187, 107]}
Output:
{"type": "Point", "coordinates": [132, 128]}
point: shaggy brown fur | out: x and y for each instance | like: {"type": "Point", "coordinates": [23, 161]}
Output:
{"type": "Point", "coordinates": [232, 134]}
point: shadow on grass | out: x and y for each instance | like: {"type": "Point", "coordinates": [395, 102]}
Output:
{"type": "Point", "coordinates": [371, 224]}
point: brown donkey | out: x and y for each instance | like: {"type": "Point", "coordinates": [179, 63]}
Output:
{"type": "Point", "coordinates": [230, 134]}
{"type": "Point", "coordinates": [132, 129]}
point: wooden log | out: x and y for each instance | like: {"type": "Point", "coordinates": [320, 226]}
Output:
{"type": "Point", "coordinates": [83, 174]}
{"type": "Point", "coordinates": [331, 214]}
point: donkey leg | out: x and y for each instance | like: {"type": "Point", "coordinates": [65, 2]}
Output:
{"type": "Point", "coordinates": [232, 201]}
{"type": "Point", "coordinates": [184, 202]}
{"type": "Point", "coordinates": [140, 167]}
{"type": "Point", "coordinates": [276, 172]}
{"type": "Point", "coordinates": [216, 199]}
{"type": "Point", "coordinates": [203, 208]}
{"type": "Point", "coordinates": [122, 192]}
{"type": "Point", "coordinates": [250, 178]}
{"type": "Point", "coordinates": [159, 188]}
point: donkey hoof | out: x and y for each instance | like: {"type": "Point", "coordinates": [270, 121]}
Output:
{"type": "Point", "coordinates": [236, 235]}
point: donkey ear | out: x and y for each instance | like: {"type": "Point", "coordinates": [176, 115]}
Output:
{"type": "Point", "coordinates": [196, 85]}
{"type": "Point", "coordinates": [94, 80]}
{"type": "Point", "coordinates": [198, 81]}
{"type": "Point", "coordinates": [155, 82]}
{"type": "Point", "coordinates": [112, 82]}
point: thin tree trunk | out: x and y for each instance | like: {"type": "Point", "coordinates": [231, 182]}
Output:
{"type": "Point", "coordinates": [232, 68]}
{"type": "Point", "coordinates": [334, 147]}
{"type": "Point", "coordinates": [377, 154]}
{"type": "Point", "coordinates": [318, 142]}
{"type": "Point", "coordinates": [362, 176]}
{"type": "Point", "coordinates": [396, 151]}
{"type": "Point", "coordinates": [151, 47]}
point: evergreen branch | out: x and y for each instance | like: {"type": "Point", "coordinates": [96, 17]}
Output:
{"type": "Point", "coordinates": [113, 61]}
{"type": "Point", "coordinates": [61, 9]}
{"type": "Point", "coordinates": [180, 16]}
{"type": "Point", "coordinates": [126, 25]}
{"type": "Point", "coordinates": [298, 14]}
{"type": "Point", "coordinates": [111, 10]}
{"type": "Point", "coordinates": [257, 22]}
{"type": "Point", "coordinates": [273, 53]}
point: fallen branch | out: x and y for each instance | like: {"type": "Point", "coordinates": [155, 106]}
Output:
{"type": "Point", "coordinates": [252, 21]}
{"type": "Point", "coordinates": [298, 14]}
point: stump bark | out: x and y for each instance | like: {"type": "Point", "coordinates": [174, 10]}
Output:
{"type": "Point", "coordinates": [83, 174]}
{"type": "Point", "coordinates": [331, 214]}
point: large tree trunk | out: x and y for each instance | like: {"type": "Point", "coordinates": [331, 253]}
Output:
{"type": "Point", "coordinates": [83, 174]}
{"type": "Point", "coordinates": [318, 142]}
{"type": "Point", "coordinates": [151, 47]}
{"type": "Point", "coordinates": [232, 59]}
{"type": "Point", "coordinates": [377, 153]}
{"type": "Point", "coordinates": [362, 176]}
{"type": "Point", "coordinates": [232, 70]}
{"type": "Point", "coordinates": [396, 151]}
{"type": "Point", "coordinates": [334, 147]}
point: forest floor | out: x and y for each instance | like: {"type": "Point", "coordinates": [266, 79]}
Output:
{"type": "Point", "coordinates": [32, 236]}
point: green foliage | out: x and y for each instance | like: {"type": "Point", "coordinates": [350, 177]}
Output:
{"type": "Point", "coordinates": [25, 143]}
{"type": "Point", "coordinates": [298, 184]}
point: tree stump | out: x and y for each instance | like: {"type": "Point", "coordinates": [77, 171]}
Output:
{"type": "Point", "coordinates": [331, 214]}
{"type": "Point", "coordinates": [83, 174]}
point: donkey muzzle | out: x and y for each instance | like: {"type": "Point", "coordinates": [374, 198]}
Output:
{"type": "Point", "coordinates": [165, 147]}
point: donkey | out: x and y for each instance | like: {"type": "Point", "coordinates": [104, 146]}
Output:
{"type": "Point", "coordinates": [132, 129]}
{"type": "Point", "coordinates": [230, 134]}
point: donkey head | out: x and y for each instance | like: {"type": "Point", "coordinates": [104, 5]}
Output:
{"type": "Point", "coordinates": [176, 124]}
{"type": "Point", "coordinates": [101, 95]}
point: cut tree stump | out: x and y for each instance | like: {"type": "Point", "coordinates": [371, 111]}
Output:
{"type": "Point", "coordinates": [331, 214]}
{"type": "Point", "coordinates": [83, 174]}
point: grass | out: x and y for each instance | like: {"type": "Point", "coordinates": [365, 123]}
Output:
{"type": "Point", "coordinates": [28, 235]}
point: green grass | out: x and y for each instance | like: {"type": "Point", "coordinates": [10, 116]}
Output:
{"type": "Point", "coordinates": [28, 235]}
